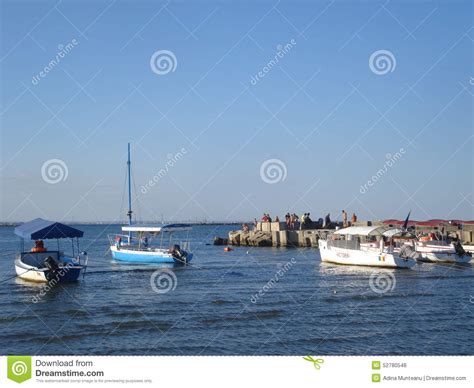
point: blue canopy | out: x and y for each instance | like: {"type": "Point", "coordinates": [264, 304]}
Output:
{"type": "Point", "coordinates": [40, 229]}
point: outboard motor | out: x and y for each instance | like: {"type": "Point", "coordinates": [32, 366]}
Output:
{"type": "Point", "coordinates": [459, 249]}
{"type": "Point", "coordinates": [53, 267]}
{"type": "Point", "coordinates": [51, 263]}
{"type": "Point", "coordinates": [179, 255]}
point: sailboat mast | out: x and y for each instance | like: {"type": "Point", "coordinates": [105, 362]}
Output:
{"type": "Point", "coordinates": [129, 213]}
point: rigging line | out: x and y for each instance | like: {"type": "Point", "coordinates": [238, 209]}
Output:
{"type": "Point", "coordinates": [137, 201]}
{"type": "Point", "coordinates": [123, 197]}
{"type": "Point", "coordinates": [13, 277]}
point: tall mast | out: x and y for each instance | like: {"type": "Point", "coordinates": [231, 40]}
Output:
{"type": "Point", "coordinates": [129, 213]}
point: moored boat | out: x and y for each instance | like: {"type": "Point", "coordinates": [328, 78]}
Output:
{"type": "Point", "coordinates": [440, 251]}
{"type": "Point", "coordinates": [364, 246]}
{"type": "Point", "coordinates": [44, 265]}
{"type": "Point", "coordinates": [137, 245]}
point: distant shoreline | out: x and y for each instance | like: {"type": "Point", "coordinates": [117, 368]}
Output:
{"type": "Point", "coordinates": [14, 224]}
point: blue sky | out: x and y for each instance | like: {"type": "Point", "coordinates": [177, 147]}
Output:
{"type": "Point", "coordinates": [329, 120]}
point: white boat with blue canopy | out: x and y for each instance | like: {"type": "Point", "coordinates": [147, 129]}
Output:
{"type": "Point", "coordinates": [140, 245]}
{"type": "Point", "coordinates": [46, 264]}
{"type": "Point", "coordinates": [151, 244]}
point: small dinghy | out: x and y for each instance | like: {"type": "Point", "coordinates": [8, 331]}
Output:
{"type": "Point", "coordinates": [44, 265]}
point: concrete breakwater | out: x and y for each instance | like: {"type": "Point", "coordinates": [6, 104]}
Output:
{"type": "Point", "coordinates": [276, 234]}
{"type": "Point", "coordinates": [268, 234]}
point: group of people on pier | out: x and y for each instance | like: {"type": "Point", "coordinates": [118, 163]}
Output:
{"type": "Point", "coordinates": [295, 222]}
{"type": "Point", "coordinates": [345, 224]}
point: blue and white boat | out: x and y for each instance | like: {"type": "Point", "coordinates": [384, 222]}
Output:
{"type": "Point", "coordinates": [47, 264]}
{"type": "Point", "coordinates": [137, 246]}
{"type": "Point", "coordinates": [140, 244]}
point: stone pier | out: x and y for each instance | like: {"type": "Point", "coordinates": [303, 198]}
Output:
{"type": "Point", "coordinates": [275, 234]}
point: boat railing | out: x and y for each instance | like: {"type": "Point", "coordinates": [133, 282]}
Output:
{"type": "Point", "coordinates": [137, 244]}
{"type": "Point", "coordinates": [38, 258]}
{"type": "Point", "coordinates": [185, 245]}
{"type": "Point", "coordinates": [112, 237]}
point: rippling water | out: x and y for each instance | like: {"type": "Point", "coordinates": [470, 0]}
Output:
{"type": "Point", "coordinates": [249, 301]}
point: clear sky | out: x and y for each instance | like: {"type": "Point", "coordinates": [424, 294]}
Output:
{"type": "Point", "coordinates": [264, 106]}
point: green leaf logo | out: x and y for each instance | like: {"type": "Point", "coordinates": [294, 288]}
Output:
{"type": "Point", "coordinates": [316, 361]}
{"type": "Point", "coordinates": [19, 368]}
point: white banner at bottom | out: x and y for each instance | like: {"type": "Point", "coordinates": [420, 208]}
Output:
{"type": "Point", "coordinates": [230, 371]}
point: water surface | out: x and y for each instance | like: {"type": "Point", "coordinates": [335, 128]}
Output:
{"type": "Point", "coordinates": [251, 301]}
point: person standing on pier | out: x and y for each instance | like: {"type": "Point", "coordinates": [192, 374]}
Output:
{"type": "Point", "coordinates": [353, 219]}
{"type": "Point", "coordinates": [294, 221]}
{"type": "Point", "coordinates": [344, 219]}
{"type": "Point", "coordinates": [327, 221]}
{"type": "Point", "coordinates": [303, 221]}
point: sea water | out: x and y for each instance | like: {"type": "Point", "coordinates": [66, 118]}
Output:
{"type": "Point", "coordinates": [250, 301]}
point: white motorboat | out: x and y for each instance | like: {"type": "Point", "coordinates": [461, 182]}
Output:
{"type": "Point", "coordinates": [440, 251]}
{"type": "Point", "coordinates": [365, 246]}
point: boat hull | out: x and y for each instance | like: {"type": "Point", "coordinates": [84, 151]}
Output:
{"type": "Point", "coordinates": [64, 274]}
{"type": "Point", "coordinates": [152, 256]}
{"type": "Point", "coordinates": [368, 258]}
{"type": "Point", "coordinates": [432, 252]}
{"type": "Point", "coordinates": [469, 248]}
{"type": "Point", "coordinates": [442, 257]}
